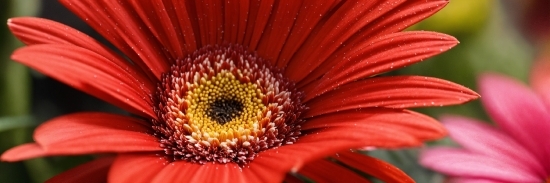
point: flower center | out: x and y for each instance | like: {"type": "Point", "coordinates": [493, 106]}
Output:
{"type": "Point", "coordinates": [223, 104]}
{"type": "Point", "coordinates": [224, 110]}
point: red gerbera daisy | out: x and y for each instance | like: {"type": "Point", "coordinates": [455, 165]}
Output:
{"type": "Point", "coordinates": [238, 90]}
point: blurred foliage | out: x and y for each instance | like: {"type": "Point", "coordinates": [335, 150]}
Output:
{"type": "Point", "coordinates": [15, 97]}
{"type": "Point", "coordinates": [460, 18]}
{"type": "Point", "coordinates": [497, 47]}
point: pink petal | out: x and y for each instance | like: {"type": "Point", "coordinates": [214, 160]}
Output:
{"type": "Point", "coordinates": [483, 139]}
{"type": "Point", "coordinates": [121, 25]}
{"type": "Point", "coordinates": [326, 171]}
{"type": "Point", "coordinates": [404, 123]}
{"type": "Point", "coordinates": [460, 163]}
{"type": "Point", "coordinates": [380, 56]}
{"type": "Point", "coordinates": [519, 112]}
{"type": "Point", "coordinates": [93, 171]}
{"type": "Point", "coordinates": [372, 166]}
{"type": "Point", "coordinates": [33, 31]}
{"type": "Point", "coordinates": [136, 167]}
{"type": "Point", "coordinates": [470, 180]}
{"type": "Point", "coordinates": [540, 77]}
{"type": "Point", "coordinates": [392, 92]}
{"type": "Point", "coordinates": [87, 133]}
{"type": "Point", "coordinates": [88, 72]}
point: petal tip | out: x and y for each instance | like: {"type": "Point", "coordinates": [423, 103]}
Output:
{"type": "Point", "coordinates": [22, 152]}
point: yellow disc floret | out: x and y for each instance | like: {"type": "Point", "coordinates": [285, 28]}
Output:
{"type": "Point", "coordinates": [223, 110]}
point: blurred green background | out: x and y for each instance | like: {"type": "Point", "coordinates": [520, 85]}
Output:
{"type": "Point", "coordinates": [495, 36]}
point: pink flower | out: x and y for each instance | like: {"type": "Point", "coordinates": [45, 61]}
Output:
{"type": "Point", "coordinates": [518, 150]}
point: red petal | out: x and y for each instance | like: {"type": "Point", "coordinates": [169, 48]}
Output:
{"type": "Point", "coordinates": [93, 171]}
{"type": "Point", "coordinates": [355, 22]}
{"type": "Point", "coordinates": [88, 72]}
{"type": "Point", "coordinates": [234, 20]}
{"type": "Point", "coordinates": [23, 152]}
{"type": "Point", "coordinates": [179, 171]}
{"type": "Point", "coordinates": [86, 133]}
{"type": "Point", "coordinates": [372, 166]}
{"type": "Point", "coordinates": [403, 122]}
{"type": "Point", "coordinates": [347, 20]}
{"type": "Point", "coordinates": [407, 14]}
{"type": "Point", "coordinates": [41, 31]}
{"type": "Point", "coordinates": [121, 25]}
{"type": "Point", "coordinates": [397, 19]}
{"type": "Point", "coordinates": [392, 92]}
{"type": "Point", "coordinates": [210, 16]}
{"type": "Point", "coordinates": [182, 171]}
{"type": "Point", "coordinates": [375, 135]}
{"type": "Point", "coordinates": [273, 163]}
{"type": "Point", "coordinates": [136, 167]}
{"type": "Point", "coordinates": [326, 171]}
{"type": "Point", "coordinates": [266, 170]}
{"type": "Point", "coordinates": [187, 22]}
{"type": "Point", "coordinates": [388, 53]}
{"type": "Point", "coordinates": [161, 19]}
{"type": "Point", "coordinates": [236, 26]}
{"type": "Point", "coordinates": [258, 15]}
{"type": "Point", "coordinates": [278, 29]}
{"type": "Point", "coordinates": [311, 14]}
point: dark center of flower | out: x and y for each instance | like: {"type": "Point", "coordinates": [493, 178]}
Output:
{"type": "Point", "coordinates": [223, 104]}
{"type": "Point", "coordinates": [224, 110]}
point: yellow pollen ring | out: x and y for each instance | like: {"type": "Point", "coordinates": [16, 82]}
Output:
{"type": "Point", "coordinates": [242, 127]}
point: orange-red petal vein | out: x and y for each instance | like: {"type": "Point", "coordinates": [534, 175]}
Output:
{"type": "Point", "coordinates": [392, 92]}
{"type": "Point", "coordinates": [85, 133]}
{"type": "Point", "coordinates": [372, 166]}
{"type": "Point", "coordinates": [89, 72]}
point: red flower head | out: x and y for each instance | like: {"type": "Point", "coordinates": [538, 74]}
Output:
{"type": "Point", "coordinates": [238, 90]}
